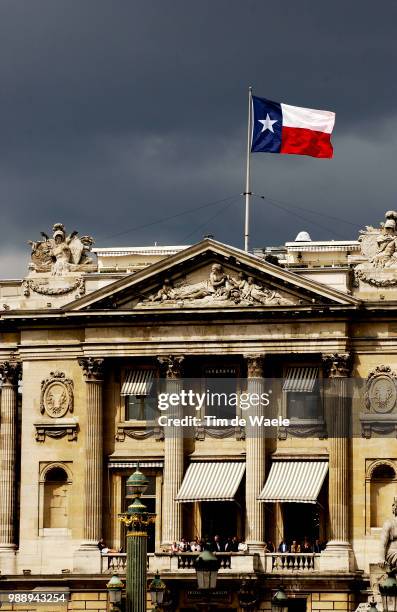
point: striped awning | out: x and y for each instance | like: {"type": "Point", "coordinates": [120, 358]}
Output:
{"type": "Point", "coordinates": [300, 379]}
{"type": "Point", "coordinates": [215, 481]}
{"type": "Point", "coordinates": [134, 464]}
{"type": "Point", "coordinates": [137, 382]}
{"type": "Point", "coordinates": [294, 481]}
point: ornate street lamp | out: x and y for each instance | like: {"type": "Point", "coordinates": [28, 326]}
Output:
{"type": "Point", "coordinates": [388, 591]}
{"type": "Point", "coordinates": [136, 520]}
{"type": "Point", "coordinates": [157, 591]}
{"type": "Point", "coordinates": [207, 567]}
{"type": "Point", "coordinates": [280, 601]}
{"type": "Point", "coordinates": [136, 484]}
{"type": "Point", "coordinates": [115, 588]}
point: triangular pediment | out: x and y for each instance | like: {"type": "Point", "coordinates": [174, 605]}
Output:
{"type": "Point", "coordinates": [210, 275]}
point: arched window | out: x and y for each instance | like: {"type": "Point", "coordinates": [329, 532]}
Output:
{"type": "Point", "coordinates": [383, 490]}
{"type": "Point", "coordinates": [56, 503]}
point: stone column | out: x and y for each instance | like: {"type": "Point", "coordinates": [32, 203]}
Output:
{"type": "Point", "coordinates": [337, 403]}
{"type": "Point", "coordinates": [10, 372]}
{"type": "Point", "coordinates": [93, 474]}
{"type": "Point", "coordinates": [173, 456]}
{"type": "Point", "coordinates": [255, 459]}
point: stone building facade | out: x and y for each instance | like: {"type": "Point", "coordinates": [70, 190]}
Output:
{"type": "Point", "coordinates": [85, 346]}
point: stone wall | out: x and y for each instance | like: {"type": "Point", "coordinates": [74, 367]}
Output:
{"type": "Point", "coordinates": [317, 602]}
{"type": "Point", "coordinates": [95, 601]}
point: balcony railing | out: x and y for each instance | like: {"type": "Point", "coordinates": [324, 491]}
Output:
{"type": "Point", "coordinates": [291, 562]}
{"type": "Point", "coordinates": [182, 562]}
{"type": "Point", "coordinates": [275, 563]}
{"type": "Point", "coordinates": [187, 560]}
{"type": "Point", "coordinates": [113, 563]}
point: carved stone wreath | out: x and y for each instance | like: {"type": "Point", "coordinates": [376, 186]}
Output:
{"type": "Point", "coordinates": [366, 277]}
{"type": "Point", "coordinates": [46, 289]}
{"type": "Point", "coordinates": [381, 390]}
{"type": "Point", "coordinates": [56, 430]}
{"type": "Point", "coordinates": [138, 433]}
{"type": "Point", "coordinates": [303, 430]}
{"type": "Point", "coordinates": [56, 397]}
{"type": "Point", "coordinates": [219, 433]}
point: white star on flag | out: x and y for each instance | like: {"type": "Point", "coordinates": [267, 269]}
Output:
{"type": "Point", "coordinates": [267, 123]}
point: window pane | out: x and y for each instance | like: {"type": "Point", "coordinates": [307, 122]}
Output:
{"type": "Point", "coordinates": [304, 405]}
{"type": "Point", "coordinates": [221, 393]}
{"type": "Point", "coordinates": [141, 408]}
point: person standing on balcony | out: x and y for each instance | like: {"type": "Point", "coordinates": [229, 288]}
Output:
{"type": "Point", "coordinates": [228, 545]}
{"type": "Point", "coordinates": [295, 547]}
{"type": "Point", "coordinates": [174, 548]}
{"type": "Point", "coordinates": [283, 547]}
{"type": "Point", "coordinates": [317, 546]}
{"type": "Point", "coordinates": [218, 545]}
{"type": "Point", "coordinates": [235, 544]}
{"type": "Point", "coordinates": [195, 546]}
{"type": "Point", "coordinates": [306, 546]}
{"type": "Point", "coordinates": [184, 546]}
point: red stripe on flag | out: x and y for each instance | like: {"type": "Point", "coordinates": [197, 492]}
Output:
{"type": "Point", "coordinates": [300, 141]}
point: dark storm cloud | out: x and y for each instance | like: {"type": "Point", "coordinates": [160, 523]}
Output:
{"type": "Point", "coordinates": [115, 114]}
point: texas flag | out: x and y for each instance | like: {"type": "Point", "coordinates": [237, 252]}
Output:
{"type": "Point", "coordinates": [281, 128]}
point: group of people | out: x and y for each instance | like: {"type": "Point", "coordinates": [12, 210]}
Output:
{"type": "Point", "coordinates": [233, 544]}
{"type": "Point", "coordinates": [215, 544]}
{"type": "Point", "coordinates": [306, 546]}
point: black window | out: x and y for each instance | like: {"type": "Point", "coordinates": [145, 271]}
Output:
{"type": "Point", "coordinates": [304, 404]}
{"type": "Point", "coordinates": [221, 389]}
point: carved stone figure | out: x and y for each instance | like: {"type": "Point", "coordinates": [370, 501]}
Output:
{"type": "Point", "coordinates": [388, 550]}
{"type": "Point", "coordinates": [217, 286]}
{"type": "Point", "coordinates": [220, 287]}
{"type": "Point", "coordinates": [165, 293]}
{"type": "Point", "coordinates": [172, 365]}
{"type": "Point", "coordinates": [379, 248]}
{"type": "Point", "coordinates": [255, 293]}
{"type": "Point", "coordinates": [61, 254]}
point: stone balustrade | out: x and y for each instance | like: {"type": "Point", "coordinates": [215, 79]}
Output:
{"type": "Point", "coordinates": [270, 563]}
{"type": "Point", "coordinates": [291, 562]}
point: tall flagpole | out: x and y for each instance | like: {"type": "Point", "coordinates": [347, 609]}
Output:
{"type": "Point", "coordinates": [247, 192]}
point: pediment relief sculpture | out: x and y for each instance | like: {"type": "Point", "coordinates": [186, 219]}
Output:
{"type": "Point", "coordinates": [61, 254]}
{"type": "Point", "coordinates": [379, 249]}
{"type": "Point", "coordinates": [220, 288]}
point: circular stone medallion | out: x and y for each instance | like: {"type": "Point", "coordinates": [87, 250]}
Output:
{"type": "Point", "coordinates": [382, 394]}
{"type": "Point", "coordinates": [56, 399]}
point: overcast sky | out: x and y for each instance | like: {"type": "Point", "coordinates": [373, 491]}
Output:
{"type": "Point", "coordinates": [116, 114]}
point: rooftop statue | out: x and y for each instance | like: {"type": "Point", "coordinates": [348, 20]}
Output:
{"type": "Point", "coordinates": [62, 253]}
{"type": "Point", "coordinates": [379, 248]}
{"type": "Point", "coordinates": [388, 553]}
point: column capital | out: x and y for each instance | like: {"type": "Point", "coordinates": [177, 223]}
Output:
{"type": "Point", "coordinates": [337, 365]}
{"type": "Point", "coordinates": [92, 368]}
{"type": "Point", "coordinates": [10, 372]}
{"type": "Point", "coordinates": [172, 365]}
{"type": "Point", "coordinates": [254, 365]}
